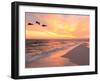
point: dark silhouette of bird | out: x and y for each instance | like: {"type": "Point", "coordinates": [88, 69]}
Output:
{"type": "Point", "coordinates": [30, 23]}
{"type": "Point", "coordinates": [44, 25]}
{"type": "Point", "coordinates": [37, 22]}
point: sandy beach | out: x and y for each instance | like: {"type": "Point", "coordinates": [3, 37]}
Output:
{"type": "Point", "coordinates": [77, 54]}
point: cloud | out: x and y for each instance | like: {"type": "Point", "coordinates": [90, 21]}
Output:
{"type": "Point", "coordinates": [58, 26]}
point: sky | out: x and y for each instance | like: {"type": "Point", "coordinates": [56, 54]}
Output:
{"type": "Point", "coordinates": [58, 26]}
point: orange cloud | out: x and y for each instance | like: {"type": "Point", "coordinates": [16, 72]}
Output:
{"type": "Point", "coordinates": [59, 26]}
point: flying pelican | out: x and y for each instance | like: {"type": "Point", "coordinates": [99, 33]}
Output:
{"type": "Point", "coordinates": [44, 25]}
{"type": "Point", "coordinates": [30, 23]}
{"type": "Point", "coordinates": [38, 22]}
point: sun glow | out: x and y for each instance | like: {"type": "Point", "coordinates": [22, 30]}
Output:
{"type": "Point", "coordinates": [59, 26]}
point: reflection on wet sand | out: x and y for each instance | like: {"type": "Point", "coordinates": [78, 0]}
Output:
{"type": "Point", "coordinates": [50, 53]}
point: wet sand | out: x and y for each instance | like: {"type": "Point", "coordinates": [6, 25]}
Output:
{"type": "Point", "coordinates": [56, 52]}
{"type": "Point", "coordinates": [79, 55]}
{"type": "Point", "coordinates": [75, 55]}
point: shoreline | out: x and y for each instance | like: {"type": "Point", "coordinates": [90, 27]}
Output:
{"type": "Point", "coordinates": [54, 55]}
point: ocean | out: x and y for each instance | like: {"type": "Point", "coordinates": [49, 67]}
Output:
{"type": "Point", "coordinates": [51, 52]}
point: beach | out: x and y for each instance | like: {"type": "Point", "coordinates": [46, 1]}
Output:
{"type": "Point", "coordinates": [54, 53]}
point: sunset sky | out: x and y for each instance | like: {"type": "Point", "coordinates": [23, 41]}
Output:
{"type": "Point", "coordinates": [59, 26]}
